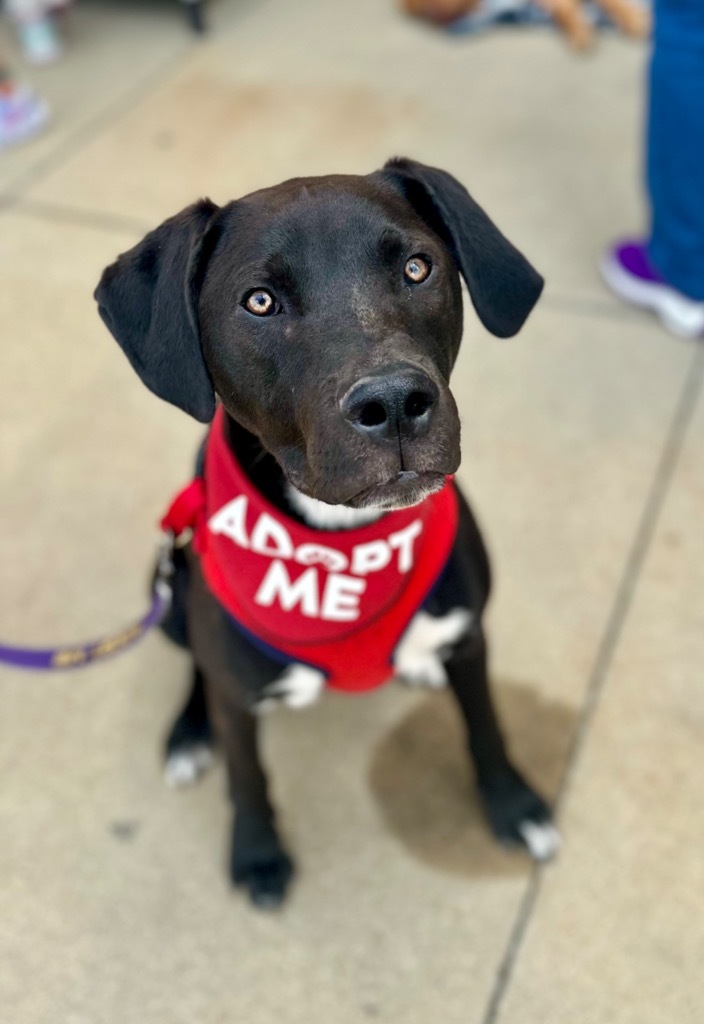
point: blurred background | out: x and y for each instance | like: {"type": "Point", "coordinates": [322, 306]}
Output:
{"type": "Point", "coordinates": [582, 455]}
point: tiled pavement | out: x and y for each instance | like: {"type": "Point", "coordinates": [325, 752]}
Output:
{"type": "Point", "coordinates": [583, 456]}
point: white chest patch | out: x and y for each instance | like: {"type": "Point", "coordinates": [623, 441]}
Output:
{"type": "Point", "coordinates": [418, 660]}
{"type": "Point", "coordinates": [419, 657]}
{"type": "Point", "coordinates": [322, 516]}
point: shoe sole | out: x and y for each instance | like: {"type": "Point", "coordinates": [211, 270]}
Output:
{"type": "Point", "coordinates": [678, 315]}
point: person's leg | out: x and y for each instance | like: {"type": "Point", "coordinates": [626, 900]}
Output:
{"type": "Point", "coordinates": [676, 145]}
{"type": "Point", "coordinates": [36, 28]}
{"type": "Point", "coordinates": [665, 273]}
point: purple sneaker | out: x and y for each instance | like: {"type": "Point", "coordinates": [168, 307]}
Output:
{"type": "Point", "coordinates": [22, 115]}
{"type": "Point", "coordinates": [630, 274]}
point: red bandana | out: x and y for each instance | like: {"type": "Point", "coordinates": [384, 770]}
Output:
{"type": "Point", "coordinates": [339, 601]}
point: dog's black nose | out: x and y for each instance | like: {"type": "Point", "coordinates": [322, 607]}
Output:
{"type": "Point", "coordinates": [391, 404]}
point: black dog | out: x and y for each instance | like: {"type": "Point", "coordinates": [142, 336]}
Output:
{"type": "Point", "coordinates": [326, 314]}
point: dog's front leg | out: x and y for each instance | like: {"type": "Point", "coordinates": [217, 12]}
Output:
{"type": "Point", "coordinates": [517, 814]}
{"type": "Point", "coordinates": [258, 860]}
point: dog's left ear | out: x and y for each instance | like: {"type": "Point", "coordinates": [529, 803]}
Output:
{"type": "Point", "coordinates": [502, 284]}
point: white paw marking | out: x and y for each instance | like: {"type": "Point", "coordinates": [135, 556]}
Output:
{"type": "Point", "coordinates": [296, 687]}
{"type": "Point", "coordinates": [184, 767]}
{"type": "Point", "coordinates": [541, 838]}
{"type": "Point", "coordinates": [418, 658]}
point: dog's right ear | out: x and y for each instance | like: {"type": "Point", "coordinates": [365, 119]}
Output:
{"type": "Point", "coordinates": [148, 300]}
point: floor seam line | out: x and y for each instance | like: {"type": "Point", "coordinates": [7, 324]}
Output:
{"type": "Point", "coordinates": [625, 592]}
{"type": "Point", "coordinates": [635, 561]}
{"type": "Point", "coordinates": [90, 130]}
{"type": "Point", "coordinates": [40, 209]}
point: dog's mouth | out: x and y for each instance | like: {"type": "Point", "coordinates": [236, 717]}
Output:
{"type": "Point", "coordinates": [407, 488]}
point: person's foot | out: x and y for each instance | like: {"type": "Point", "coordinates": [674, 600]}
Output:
{"type": "Point", "coordinates": [630, 275]}
{"type": "Point", "coordinates": [40, 40]}
{"type": "Point", "coordinates": [22, 114]}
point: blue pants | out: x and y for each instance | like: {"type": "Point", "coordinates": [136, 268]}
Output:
{"type": "Point", "coordinates": [676, 145]}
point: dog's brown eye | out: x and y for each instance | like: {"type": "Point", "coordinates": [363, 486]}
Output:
{"type": "Point", "coordinates": [416, 269]}
{"type": "Point", "coordinates": [260, 302]}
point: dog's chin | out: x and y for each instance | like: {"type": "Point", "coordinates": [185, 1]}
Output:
{"type": "Point", "coordinates": [403, 491]}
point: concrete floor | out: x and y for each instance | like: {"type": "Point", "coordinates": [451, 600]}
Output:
{"type": "Point", "coordinates": [583, 455]}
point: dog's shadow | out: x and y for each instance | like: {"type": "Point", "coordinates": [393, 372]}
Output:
{"type": "Point", "coordinates": [419, 778]}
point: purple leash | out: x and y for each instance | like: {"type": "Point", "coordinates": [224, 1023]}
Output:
{"type": "Point", "coordinates": [82, 655]}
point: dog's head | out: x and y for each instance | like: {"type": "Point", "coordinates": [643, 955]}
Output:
{"type": "Point", "coordinates": [326, 314]}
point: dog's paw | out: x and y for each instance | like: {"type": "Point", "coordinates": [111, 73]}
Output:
{"type": "Point", "coordinates": [519, 816]}
{"type": "Point", "coordinates": [541, 838]}
{"type": "Point", "coordinates": [188, 751]}
{"type": "Point", "coordinates": [266, 882]}
{"type": "Point", "coordinates": [186, 763]}
{"type": "Point", "coordinates": [258, 863]}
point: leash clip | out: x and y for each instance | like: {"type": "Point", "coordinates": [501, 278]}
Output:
{"type": "Point", "coordinates": [165, 559]}
{"type": "Point", "coordinates": [165, 565]}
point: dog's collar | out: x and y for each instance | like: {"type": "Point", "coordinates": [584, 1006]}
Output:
{"type": "Point", "coordinates": [338, 602]}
